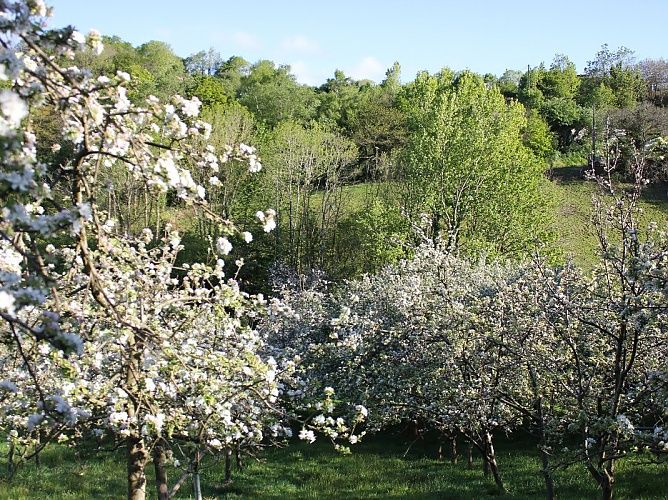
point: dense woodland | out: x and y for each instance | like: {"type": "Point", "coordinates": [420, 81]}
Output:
{"type": "Point", "coordinates": [200, 257]}
{"type": "Point", "coordinates": [318, 142]}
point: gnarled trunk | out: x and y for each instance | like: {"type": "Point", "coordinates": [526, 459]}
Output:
{"type": "Point", "coordinates": [137, 458]}
{"type": "Point", "coordinates": [606, 487]}
{"type": "Point", "coordinates": [490, 459]}
{"type": "Point", "coordinates": [605, 479]}
{"type": "Point", "coordinates": [161, 484]}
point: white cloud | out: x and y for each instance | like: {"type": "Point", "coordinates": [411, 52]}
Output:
{"type": "Point", "coordinates": [305, 74]}
{"type": "Point", "coordinates": [245, 40]}
{"type": "Point", "coordinates": [301, 44]}
{"type": "Point", "coordinates": [368, 68]}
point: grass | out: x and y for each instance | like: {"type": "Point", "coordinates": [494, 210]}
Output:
{"type": "Point", "coordinates": [376, 469]}
{"type": "Point", "coordinates": [571, 199]}
{"type": "Point", "coordinates": [569, 194]}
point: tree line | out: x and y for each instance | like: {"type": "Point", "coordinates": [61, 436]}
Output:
{"type": "Point", "coordinates": [318, 141]}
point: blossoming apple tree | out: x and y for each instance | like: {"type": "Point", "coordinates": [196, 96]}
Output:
{"type": "Point", "coordinates": [414, 343]}
{"type": "Point", "coordinates": [102, 334]}
{"type": "Point", "coordinates": [481, 348]}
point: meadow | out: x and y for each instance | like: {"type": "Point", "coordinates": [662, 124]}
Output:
{"type": "Point", "coordinates": [384, 466]}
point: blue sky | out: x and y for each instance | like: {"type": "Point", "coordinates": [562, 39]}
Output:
{"type": "Point", "coordinates": [364, 38]}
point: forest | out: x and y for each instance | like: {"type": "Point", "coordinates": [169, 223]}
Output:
{"type": "Point", "coordinates": [218, 282]}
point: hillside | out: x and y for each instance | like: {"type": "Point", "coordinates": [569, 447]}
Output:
{"type": "Point", "coordinates": [571, 198]}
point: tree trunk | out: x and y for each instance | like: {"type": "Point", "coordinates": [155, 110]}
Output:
{"type": "Point", "coordinates": [413, 430]}
{"type": "Point", "coordinates": [237, 454]}
{"type": "Point", "coordinates": [606, 480]}
{"type": "Point", "coordinates": [228, 465]}
{"type": "Point", "coordinates": [547, 475]}
{"type": "Point", "coordinates": [604, 476]}
{"type": "Point", "coordinates": [540, 418]}
{"type": "Point", "coordinates": [197, 488]}
{"type": "Point", "coordinates": [490, 458]}
{"type": "Point", "coordinates": [179, 483]}
{"type": "Point", "coordinates": [606, 485]}
{"type": "Point", "coordinates": [469, 456]}
{"type": "Point", "coordinates": [137, 453]}
{"type": "Point", "coordinates": [160, 472]}
{"type": "Point", "coordinates": [38, 460]}
{"type": "Point", "coordinates": [453, 448]}
{"type": "Point", "coordinates": [10, 460]}
{"type": "Point", "coordinates": [137, 458]}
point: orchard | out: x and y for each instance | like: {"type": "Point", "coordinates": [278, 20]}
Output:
{"type": "Point", "coordinates": [113, 336]}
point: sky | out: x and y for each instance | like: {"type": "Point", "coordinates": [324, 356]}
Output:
{"type": "Point", "coordinates": [364, 38]}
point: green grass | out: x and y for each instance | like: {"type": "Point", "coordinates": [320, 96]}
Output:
{"type": "Point", "coordinates": [354, 196]}
{"type": "Point", "coordinates": [376, 469]}
{"type": "Point", "coordinates": [571, 199]}
{"type": "Point", "coordinates": [568, 193]}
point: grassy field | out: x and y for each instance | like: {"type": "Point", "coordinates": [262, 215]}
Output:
{"type": "Point", "coordinates": [569, 196]}
{"type": "Point", "coordinates": [376, 469]}
{"type": "Point", "coordinates": [571, 199]}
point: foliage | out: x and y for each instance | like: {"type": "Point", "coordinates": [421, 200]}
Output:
{"type": "Point", "coordinates": [378, 126]}
{"type": "Point", "coordinates": [655, 75]}
{"type": "Point", "coordinates": [231, 73]}
{"type": "Point", "coordinates": [612, 79]}
{"type": "Point", "coordinates": [308, 168]}
{"type": "Point", "coordinates": [272, 94]}
{"type": "Point", "coordinates": [473, 348]}
{"type": "Point", "coordinates": [538, 137]}
{"type": "Point", "coordinates": [111, 335]}
{"type": "Point", "coordinates": [203, 63]}
{"type": "Point", "coordinates": [509, 83]}
{"type": "Point", "coordinates": [552, 92]}
{"type": "Point", "coordinates": [561, 80]}
{"type": "Point", "coordinates": [646, 129]}
{"type": "Point", "coordinates": [465, 165]}
{"type": "Point", "coordinates": [430, 341]}
{"type": "Point", "coordinates": [337, 97]}
{"type": "Point", "coordinates": [209, 90]}
{"type": "Point", "coordinates": [378, 232]}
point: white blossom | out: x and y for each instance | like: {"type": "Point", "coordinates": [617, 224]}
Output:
{"type": "Point", "coordinates": [223, 246]}
{"type": "Point", "coordinates": [13, 108]}
{"type": "Point", "coordinates": [307, 435]}
{"type": "Point", "coordinates": [7, 302]}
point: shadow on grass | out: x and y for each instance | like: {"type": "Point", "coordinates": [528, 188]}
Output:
{"type": "Point", "coordinates": [571, 173]}
{"type": "Point", "coordinates": [657, 195]}
{"type": "Point", "coordinates": [376, 469]}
